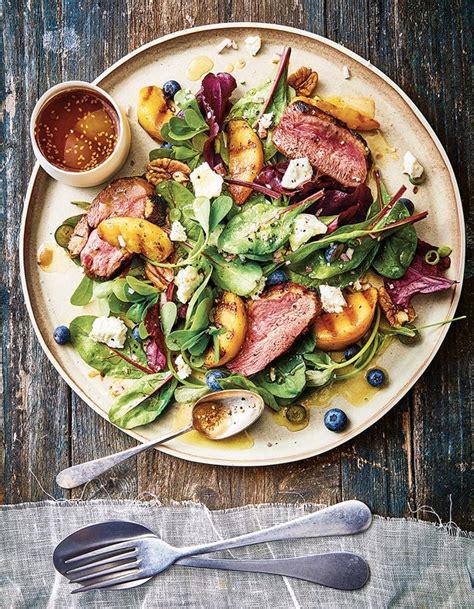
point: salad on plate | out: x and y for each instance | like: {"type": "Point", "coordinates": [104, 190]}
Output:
{"type": "Point", "coordinates": [259, 250]}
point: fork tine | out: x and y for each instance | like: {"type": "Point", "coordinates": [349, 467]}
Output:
{"type": "Point", "coordinates": [97, 575]}
{"type": "Point", "coordinates": [97, 563]}
{"type": "Point", "coordinates": [124, 545]}
{"type": "Point", "coordinates": [107, 583]}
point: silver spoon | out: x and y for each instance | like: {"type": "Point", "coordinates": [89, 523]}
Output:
{"type": "Point", "coordinates": [122, 554]}
{"type": "Point", "coordinates": [217, 415]}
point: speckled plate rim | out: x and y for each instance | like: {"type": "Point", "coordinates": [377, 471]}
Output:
{"type": "Point", "coordinates": [338, 440]}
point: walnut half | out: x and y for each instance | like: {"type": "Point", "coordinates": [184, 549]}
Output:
{"type": "Point", "coordinates": [160, 170]}
{"type": "Point", "coordinates": [303, 81]}
{"type": "Point", "coordinates": [395, 314]}
{"type": "Point", "coordinates": [160, 277]}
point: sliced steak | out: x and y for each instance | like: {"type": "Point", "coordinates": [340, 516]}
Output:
{"type": "Point", "coordinates": [332, 148]}
{"type": "Point", "coordinates": [102, 260]}
{"type": "Point", "coordinates": [127, 197]}
{"type": "Point", "coordinates": [274, 322]}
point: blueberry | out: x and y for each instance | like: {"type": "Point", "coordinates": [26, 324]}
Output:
{"type": "Point", "coordinates": [62, 335]}
{"type": "Point", "coordinates": [351, 351]}
{"type": "Point", "coordinates": [329, 252]}
{"type": "Point", "coordinates": [166, 145]}
{"type": "Point", "coordinates": [170, 88]}
{"type": "Point", "coordinates": [376, 377]}
{"type": "Point", "coordinates": [278, 276]}
{"type": "Point", "coordinates": [212, 379]}
{"type": "Point", "coordinates": [408, 203]}
{"type": "Point", "coordinates": [335, 419]}
{"type": "Point", "coordinates": [136, 334]}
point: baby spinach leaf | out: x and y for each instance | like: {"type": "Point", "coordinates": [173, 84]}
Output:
{"type": "Point", "coordinates": [83, 293]}
{"type": "Point", "coordinates": [249, 105]}
{"type": "Point", "coordinates": [129, 362]}
{"type": "Point", "coordinates": [168, 315]}
{"type": "Point", "coordinates": [189, 394]}
{"type": "Point", "coordinates": [175, 194]}
{"type": "Point", "coordinates": [144, 401]}
{"type": "Point", "coordinates": [141, 287]}
{"type": "Point", "coordinates": [202, 210]}
{"type": "Point", "coordinates": [220, 207]}
{"type": "Point", "coordinates": [319, 378]}
{"type": "Point", "coordinates": [234, 275]}
{"type": "Point", "coordinates": [284, 378]}
{"type": "Point", "coordinates": [81, 204]}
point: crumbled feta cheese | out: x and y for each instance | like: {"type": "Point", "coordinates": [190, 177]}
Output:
{"type": "Point", "coordinates": [109, 330]}
{"type": "Point", "coordinates": [183, 370]}
{"type": "Point", "coordinates": [411, 166]}
{"type": "Point", "coordinates": [187, 281]}
{"type": "Point", "coordinates": [332, 299]}
{"type": "Point", "coordinates": [264, 123]}
{"type": "Point", "coordinates": [346, 72]}
{"type": "Point", "coordinates": [178, 232]}
{"type": "Point", "coordinates": [226, 43]}
{"type": "Point", "coordinates": [304, 227]}
{"type": "Point", "coordinates": [298, 172]}
{"type": "Point", "coordinates": [121, 241]}
{"type": "Point", "coordinates": [206, 182]}
{"type": "Point", "coordinates": [253, 44]}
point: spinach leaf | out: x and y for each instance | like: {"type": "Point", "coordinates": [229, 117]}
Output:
{"type": "Point", "coordinates": [234, 275]}
{"type": "Point", "coordinates": [81, 204]}
{"type": "Point", "coordinates": [143, 288]}
{"type": "Point", "coordinates": [398, 249]}
{"type": "Point", "coordinates": [143, 402]}
{"type": "Point", "coordinates": [319, 378]}
{"type": "Point", "coordinates": [284, 378]}
{"type": "Point", "coordinates": [202, 210]}
{"type": "Point", "coordinates": [129, 362]}
{"type": "Point", "coordinates": [219, 209]}
{"type": "Point", "coordinates": [168, 315]}
{"type": "Point", "coordinates": [175, 194]}
{"type": "Point", "coordinates": [249, 105]}
{"type": "Point", "coordinates": [83, 293]}
{"type": "Point", "coordinates": [189, 394]}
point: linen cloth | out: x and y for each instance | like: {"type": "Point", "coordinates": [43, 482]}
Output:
{"type": "Point", "coordinates": [413, 564]}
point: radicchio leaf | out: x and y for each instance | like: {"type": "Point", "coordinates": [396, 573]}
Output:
{"type": "Point", "coordinates": [213, 99]}
{"type": "Point", "coordinates": [349, 206]}
{"type": "Point", "coordinates": [155, 347]}
{"type": "Point", "coordinates": [420, 278]}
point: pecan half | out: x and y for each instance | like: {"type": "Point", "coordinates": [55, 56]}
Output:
{"type": "Point", "coordinates": [395, 314]}
{"type": "Point", "coordinates": [303, 81]}
{"type": "Point", "coordinates": [160, 170]}
{"type": "Point", "coordinates": [160, 277]}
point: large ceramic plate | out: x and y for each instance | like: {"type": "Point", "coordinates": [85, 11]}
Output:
{"type": "Point", "coordinates": [47, 204]}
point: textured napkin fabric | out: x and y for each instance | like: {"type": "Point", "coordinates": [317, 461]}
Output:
{"type": "Point", "coordinates": [413, 564]}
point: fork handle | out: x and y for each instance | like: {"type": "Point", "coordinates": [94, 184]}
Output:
{"type": "Point", "coordinates": [340, 570]}
{"type": "Point", "coordinates": [344, 518]}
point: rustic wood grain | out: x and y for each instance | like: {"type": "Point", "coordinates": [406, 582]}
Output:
{"type": "Point", "coordinates": [419, 453]}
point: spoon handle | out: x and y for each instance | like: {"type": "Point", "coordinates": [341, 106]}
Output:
{"type": "Point", "coordinates": [84, 472]}
{"type": "Point", "coordinates": [344, 518]}
{"type": "Point", "coordinates": [340, 570]}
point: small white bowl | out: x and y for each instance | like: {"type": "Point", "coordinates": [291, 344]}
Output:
{"type": "Point", "coordinates": [105, 170]}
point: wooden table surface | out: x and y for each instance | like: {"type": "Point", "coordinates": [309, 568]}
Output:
{"type": "Point", "coordinates": [419, 453]}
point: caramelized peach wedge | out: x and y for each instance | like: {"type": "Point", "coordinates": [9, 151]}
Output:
{"type": "Point", "coordinates": [336, 331]}
{"type": "Point", "coordinates": [153, 111]}
{"type": "Point", "coordinates": [229, 314]}
{"type": "Point", "coordinates": [245, 157]}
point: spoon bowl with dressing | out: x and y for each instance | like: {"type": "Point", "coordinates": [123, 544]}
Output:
{"type": "Point", "coordinates": [218, 415]}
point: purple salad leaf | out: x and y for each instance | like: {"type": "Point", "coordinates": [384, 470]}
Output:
{"type": "Point", "coordinates": [155, 347]}
{"type": "Point", "coordinates": [213, 99]}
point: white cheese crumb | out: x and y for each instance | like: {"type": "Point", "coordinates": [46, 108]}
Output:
{"type": "Point", "coordinates": [298, 172]}
{"type": "Point", "coordinates": [304, 227]}
{"type": "Point", "coordinates": [264, 123]}
{"type": "Point", "coordinates": [411, 166]}
{"type": "Point", "coordinates": [109, 330]}
{"type": "Point", "coordinates": [178, 232]}
{"type": "Point", "coordinates": [206, 182]}
{"type": "Point", "coordinates": [187, 281]}
{"type": "Point", "coordinates": [226, 43]}
{"type": "Point", "coordinates": [183, 370]}
{"type": "Point", "coordinates": [332, 299]}
{"type": "Point", "coordinates": [346, 72]}
{"type": "Point", "coordinates": [121, 241]}
{"type": "Point", "coordinates": [253, 44]}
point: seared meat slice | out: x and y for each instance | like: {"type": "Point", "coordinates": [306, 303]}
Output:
{"type": "Point", "coordinates": [127, 197]}
{"type": "Point", "coordinates": [79, 237]}
{"type": "Point", "coordinates": [102, 260]}
{"type": "Point", "coordinates": [332, 148]}
{"type": "Point", "coordinates": [274, 322]}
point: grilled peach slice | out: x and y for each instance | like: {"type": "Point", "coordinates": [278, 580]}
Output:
{"type": "Point", "coordinates": [136, 235]}
{"type": "Point", "coordinates": [356, 112]}
{"type": "Point", "coordinates": [153, 111]}
{"type": "Point", "coordinates": [229, 314]}
{"type": "Point", "coordinates": [245, 157]}
{"type": "Point", "coordinates": [336, 331]}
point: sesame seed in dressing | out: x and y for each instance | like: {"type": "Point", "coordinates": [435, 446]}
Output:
{"type": "Point", "coordinates": [85, 130]}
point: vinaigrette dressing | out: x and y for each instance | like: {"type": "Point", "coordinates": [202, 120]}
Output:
{"type": "Point", "coordinates": [77, 130]}
{"type": "Point", "coordinates": [198, 67]}
{"type": "Point", "coordinates": [52, 258]}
